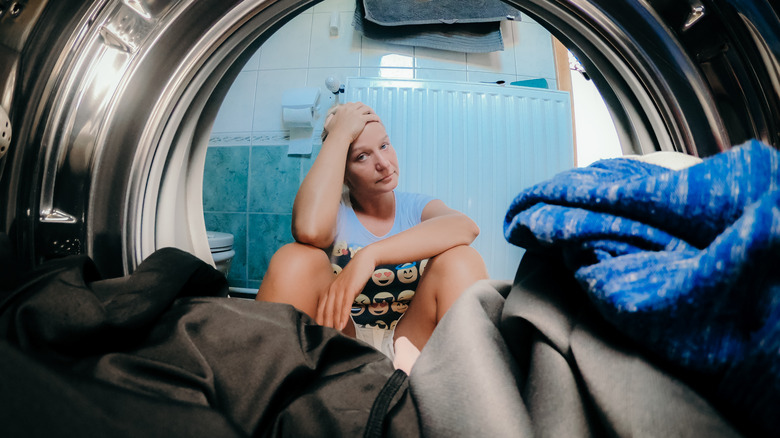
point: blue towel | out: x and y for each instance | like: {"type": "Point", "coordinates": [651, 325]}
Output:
{"type": "Point", "coordinates": [686, 263]}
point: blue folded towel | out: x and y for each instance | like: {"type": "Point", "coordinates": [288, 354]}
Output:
{"type": "Point", "coordinates": [686, 263]}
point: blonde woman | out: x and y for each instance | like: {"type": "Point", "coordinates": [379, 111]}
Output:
{"type": "Point", "coordinates": [364, 258]}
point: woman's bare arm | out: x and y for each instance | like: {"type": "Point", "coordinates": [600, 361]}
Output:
{"type": "Point", "coordinates": [441, 228]}
{"type": "Point", "coordinates": [317, 201]}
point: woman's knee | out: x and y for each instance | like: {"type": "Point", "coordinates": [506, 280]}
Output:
{"type": "Point", "coordinates": [294, 269]}
{"type": "Point", "coordinates": [459, 261]}
{"type": "Point", "coordinates": [447, 275]}
{"type": "Point", "coordinates": [297, 256]}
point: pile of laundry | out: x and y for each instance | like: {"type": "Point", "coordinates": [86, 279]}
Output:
{"type": "Point", "coordinates": [684, 262]}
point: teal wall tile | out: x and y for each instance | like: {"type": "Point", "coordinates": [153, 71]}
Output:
{"type": "Point", "coordinates": [267, 233]}
{"type": "Point", "coordinates": [235, 224]}
{"type": "Point", "coordinates": [232, 282]}
{"type": "Point", "coordinates": [274, 180]}
{"type": "Point", "coordinates": [225, 177]}
{"type": "Point", "coordinates": [307, 162]}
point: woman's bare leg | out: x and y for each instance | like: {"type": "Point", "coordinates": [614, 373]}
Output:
{"type": "Point", "coordinates": [298, 275]}
{"type": "Point", "coordinates": [446, 276]}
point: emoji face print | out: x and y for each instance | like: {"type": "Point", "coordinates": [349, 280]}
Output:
{"type": "Point", "coordinates": [359, 307]}
{"type": "Point", "coordinates": [383, 297]}
{"type": "Point", "coordinates": [381, 303]}
{"type": "Point", "coordinates": [377, 309]}
{"type": "Point", "coordinates": [386, 297]}
{"type": "Point", "coordinates": [340, 248]}
{"type": "Point", "coordinates": [383, 277]}
{"type": "Point", "coordinates": [406, 295]}
{"type": "Point", "coordinates": [399, 306]}
{"type": "Point", "coordinates": [406, 273]}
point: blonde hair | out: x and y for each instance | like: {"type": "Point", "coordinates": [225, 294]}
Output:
{"type": "Point", "coordinates": [345, 196]}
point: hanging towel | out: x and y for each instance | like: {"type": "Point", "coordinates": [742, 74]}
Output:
{"type": "Point", "coordinates": [410, 12]}
{"type": "Point", "coordinates": [685, 262]}
{"type": "Point", "coordinates": [460, 37]}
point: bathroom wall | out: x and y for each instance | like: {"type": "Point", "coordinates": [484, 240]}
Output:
{"type": "Point", "coordinates": [250, 181]}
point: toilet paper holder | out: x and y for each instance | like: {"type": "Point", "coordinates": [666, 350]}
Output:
{"type": "Point", "coordinates": [299, 99]}
{"type": "Point", "coordinates": [299, 112]}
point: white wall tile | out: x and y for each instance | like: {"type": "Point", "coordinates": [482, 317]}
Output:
{"type": "Point", "coordinates": [441, 75]}
{"type": "Point", "coordinates": [268, 100]}
{"type": "Point", "coordinates": [389, 72]}
{"type": "Point", "coordinates": [237, 109]}
{"type": "Point", "coordinates": [377, 54]}
{"type": "Point", "coordinates": [317, 76]}
{"type": "Point", "coordinates": [289, 46]}
{"type": "Point", "coordinates": [534, 51]}
{"type": "Point", "coordinates": [254, 61]}
{"type": "Point", "coordinates": [342, 50]}
{"type": "Point", "coordinates": [335, 5]}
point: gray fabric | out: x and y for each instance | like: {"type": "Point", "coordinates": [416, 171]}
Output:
{"type": "Point", "coordinates": [636, 398]}
{"type": "Point", "coordinates": [534, 359]}
{"type": "Point", "coordinates": [468, 388]}
{"type": "Point", "coordinates": [467, 38]}
{"type": "Point", "coordinates": [406, 12]}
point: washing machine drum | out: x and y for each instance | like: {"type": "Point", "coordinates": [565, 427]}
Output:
{"type": "Point", "coordinates": [111, 102]}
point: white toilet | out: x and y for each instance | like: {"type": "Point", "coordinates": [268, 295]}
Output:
{"type": "Point", "coordinates": [221, 245]}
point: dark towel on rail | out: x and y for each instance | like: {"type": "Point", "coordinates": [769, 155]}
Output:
{"type": "Point", "coordinates": [409, 12]}
{"type": "Point", "coordinates": [684, 262]}
{"type": "Point", "coordinates": [480, 37]}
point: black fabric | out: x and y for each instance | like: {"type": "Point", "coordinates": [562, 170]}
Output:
{"type": "Point", "coordinates": [162, 353]}
{"type": "Point", "coordinates": [533, 358]}
{"type": "Point", "coordinates": [376, 419]}
{"type": "Point", "coordinates": [42, 401]}
{"type": "Point", "coordinates": [9, 268]}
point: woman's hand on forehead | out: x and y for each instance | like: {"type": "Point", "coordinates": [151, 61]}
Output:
{"type": "Point", "coordinates": [349, 119]}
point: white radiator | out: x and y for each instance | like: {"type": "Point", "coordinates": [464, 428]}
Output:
{"type": "Point", "coordinates": [475, 146]}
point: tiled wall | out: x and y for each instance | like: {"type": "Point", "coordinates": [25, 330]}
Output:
{"type": "Point", "coordinates": [250, 181]}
